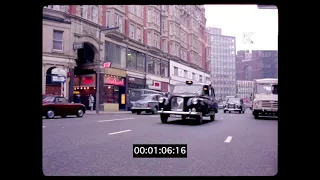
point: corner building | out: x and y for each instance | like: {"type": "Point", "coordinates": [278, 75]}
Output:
{"type": "Point", "coordinates": [148, 39]}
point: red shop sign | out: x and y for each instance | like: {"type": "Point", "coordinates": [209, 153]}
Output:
{"type": "Point", "coordinates": [114, 81]}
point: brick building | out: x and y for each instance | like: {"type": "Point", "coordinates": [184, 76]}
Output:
{"type": "Point", "coordinates": [148, 39]}
{"type": "Point", "coordinates": [256, 64]}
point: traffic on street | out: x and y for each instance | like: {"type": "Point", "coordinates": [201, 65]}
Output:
{"type": "Point", "coordinates": [101, 145]}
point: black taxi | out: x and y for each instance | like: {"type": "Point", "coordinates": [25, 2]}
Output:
{"type": "Point", "coordinates": [193, 100]}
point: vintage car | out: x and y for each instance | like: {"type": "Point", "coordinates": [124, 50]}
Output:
{"type": "Point", "coordinates": [147, 103]}
{"type": "Point", "coordinates": [59, 106]}
{"type": "Point", "coordinates": [194, 100]}
{"type": "Point", "coordinates": [234, 104]}
{"type": "Point", "coordinates": [221, 104]}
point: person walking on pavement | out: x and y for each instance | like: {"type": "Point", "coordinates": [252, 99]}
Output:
{"type": "Point", "coordinates": [91, 101]}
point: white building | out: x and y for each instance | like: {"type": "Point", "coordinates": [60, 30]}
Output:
{"type": "Point", "coordinates": [180, 73]}
{"type": "Point", "coordinates": [245, 89]}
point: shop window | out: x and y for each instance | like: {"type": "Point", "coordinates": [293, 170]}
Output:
{"type": "Point", "coordinates": [150, 65]}
{"type": "Point", "coordinates": [157, 67]}
{"type": "Point", "coordinates": [141, 60]}
{"type": "Point", "coordinates": [112, 94]}
{"type": "Point", "coordinates": [132, 59]}
{"type": "Point", "coordinates": [164, 68]}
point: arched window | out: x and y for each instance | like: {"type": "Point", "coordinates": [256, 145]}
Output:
{"type": "Point", "coordinates": [49, 77]}
{"type": "Point", "coordinates": [248, 73]}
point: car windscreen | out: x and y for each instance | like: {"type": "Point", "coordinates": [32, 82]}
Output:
{"type": "Point", "coordinates": [48, 99]}
{"type": "Point", "coordinates": [267, 89]}
{"type": "Point", "coordinates": [187, 89]}
{"type": "Point", "coordinates": [145, 98]}
{"type": "Point", "coordinates": [233, 100]}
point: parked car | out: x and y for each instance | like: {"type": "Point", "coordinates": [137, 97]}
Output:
{"type": "Point", "coordinates": [221, 104]}
{"type": "Point", "coordinates": [234, 104]}
{"type": "Point", "coordinates": [148, 103]}
{"type": "Point", "coordinates": [59, 106]}
{"type": "Point", "coordinates": [189, 99]}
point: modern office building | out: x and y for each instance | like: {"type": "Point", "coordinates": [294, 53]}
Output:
{"type": "Point", "coordinates": [222, 56]}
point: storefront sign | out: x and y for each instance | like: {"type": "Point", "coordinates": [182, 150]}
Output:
{"type": "Point", "coordinates": [114, 81]}
{"type": "Point", "coordinates": [77, 45]}
{"type": "Point", "coordinates": [106, 64]}
{"type": "Point", "coordinates": [88, 80]}
{"type": "Point", "coordinates": [156, 85]}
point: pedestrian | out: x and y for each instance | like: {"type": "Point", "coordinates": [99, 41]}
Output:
{"type": "Point", "coordinates": [91, 101]}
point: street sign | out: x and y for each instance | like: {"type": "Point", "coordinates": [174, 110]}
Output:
{"type": "Point", "coordinates": [106, 64]}
{"type": "Point", "coordinates": [77, 45]}
{"type": "Point", "coordinates": [58, 78]}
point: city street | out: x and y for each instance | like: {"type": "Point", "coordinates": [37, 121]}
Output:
{"type": "Point", "coordinates": [101, 145]}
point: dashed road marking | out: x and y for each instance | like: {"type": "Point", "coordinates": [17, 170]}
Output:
{"type": "Point", "coordinates": [228, 140]}
{"type": "Point", "coordinates": [119, 132]}
{"type": "Point", "coordinates": [115, 120]}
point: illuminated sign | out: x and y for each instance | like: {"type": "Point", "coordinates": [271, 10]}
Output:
{"type": "Point", "coordinates": [114, 81]}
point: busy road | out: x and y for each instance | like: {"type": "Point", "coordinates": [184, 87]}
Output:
{"type": "Point", "coordinates": [102, 145]}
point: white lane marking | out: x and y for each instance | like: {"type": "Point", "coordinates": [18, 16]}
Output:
{"type": "Point", "coordinates": [228, 140]}
{"type": "Point", "coordinates": [43, 126]}
{"type": "Point", "coordinates": [119, 132]}
{"type": "Point", "coordinates": [155, 116]}
{"type": "Point", "coordinates": [115, 120]}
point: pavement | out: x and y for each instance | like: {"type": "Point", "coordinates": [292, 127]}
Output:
{"type": "Point", "coordinates": [232, 145]}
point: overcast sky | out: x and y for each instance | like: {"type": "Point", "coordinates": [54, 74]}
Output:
{"type": "Point", "coordinates": [235, 20]}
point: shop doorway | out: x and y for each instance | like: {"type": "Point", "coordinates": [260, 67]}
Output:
{"type": "Point", "coordinates": [85, 69]}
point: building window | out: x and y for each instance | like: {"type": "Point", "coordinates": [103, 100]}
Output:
{"type": "Point", "coordinates": [164, 24]}
{"type": "Point", "coordinates": [200, 78]}
{"type": "Point", "coordinates": [176, 52]}
{"type": "Point", "coordinates": [156, 18]}
{"type": "Point", "coordinates": [131, 30]}
{"type": "Point", "coordinates": [84, 11]}
{"type": "Point", "coordinates": [115, 54]}
{"type": "Point", "coordinates": [175, 71]}
{"type": "Point", "coordinates": [157, 66]}
{"type": "Point", "coordinates": [141, 60]}
{"type": "Point", "coordinates": [118, 22]}
{"type": "Point", "coordinates": [149, 38]}
{"type": "Point", "coordinates": [132, 59]}
{"type": "Point", "coordinates": [172, 48]}
{"type": "Point", "coordinates": [108, 16]}
{"type": "Point", "coordinates": [149, 15]}
{"type": "Point", "coordinates": [95, 14]}
{"type": "Point", "coordinates": [164, 45]}
{"type": "Point", "coordinates": [58, 40]}
{"type": "Point", "coordinates": [185, 73]}
{"type": "Point", "coordinates": [156, 40]}
{"type": "Point", "coordinates": [164, 68]}
{"type": "Point", "coordinates": [139, 34]}
{"type": "Point", "coordinates": [171, 29]}
{"type": "Point", "coordinates": [150, 65]}
{"type": "Point", "coordinates": [138, 11]}
{"type": "Point", "coordinates": [131, 9]}
{"type": "Point", "coordinates": [194, 76]}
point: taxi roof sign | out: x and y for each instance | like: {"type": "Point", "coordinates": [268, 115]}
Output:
{"type": "Point", "coordinates": [189, 82]}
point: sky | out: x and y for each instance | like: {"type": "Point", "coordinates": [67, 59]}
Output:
{"type": "Point", "coordinates": [237, 20]}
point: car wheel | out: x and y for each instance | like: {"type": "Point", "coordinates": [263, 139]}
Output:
{"type": "Point", "coordinates": [256, 116]}
{"type": "Point", "coordinates": [212, 117]}
{"type": "Point", "coordinates": [164, 118]}
{"type": "Point", "coordinates": [80, 113]}
{"type": "Point", "coordinates": [229, 111]}
{"type": "Point", "coordinates": [224, 111]}
{"type": "Point", "coordinates": [50, 114]}
{"type": "Point", "coordinates": [133, 112]}
{"type": "Point", "coordinates": [138, 112]}
{"type": "Point", "coordinates": [199, 119]}
{"type": "Point", "coordinates": [155, 110]}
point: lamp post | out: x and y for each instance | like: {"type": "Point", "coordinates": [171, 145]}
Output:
{"type": "Point", "coordinates": [98, 70]}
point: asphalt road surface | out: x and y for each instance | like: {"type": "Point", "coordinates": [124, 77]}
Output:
{"type": "Point", "coordinates": [102, 145]}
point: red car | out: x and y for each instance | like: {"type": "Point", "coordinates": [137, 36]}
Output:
{"type": "Point", "coordinates": [59, 106]}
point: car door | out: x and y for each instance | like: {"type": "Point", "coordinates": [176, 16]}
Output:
{"type": "Point", "coordinates": [61, 105]}
{"type": "Point", "coordinates": [155, 101]}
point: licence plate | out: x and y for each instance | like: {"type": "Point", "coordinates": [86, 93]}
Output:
{"type": "Point", "coordinates": [175, 115]}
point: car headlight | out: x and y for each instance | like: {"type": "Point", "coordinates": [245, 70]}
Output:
{"type": "Point", "coordinates": [257, 103]}
{"type": "Point", "coordinates": [194, 101]}
{"type": "Point", "coordinates": [161, 99]}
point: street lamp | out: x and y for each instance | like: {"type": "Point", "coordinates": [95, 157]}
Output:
{"type": "Point", "coordinates": [98, 70]}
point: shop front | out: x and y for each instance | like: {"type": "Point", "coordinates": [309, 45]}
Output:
{"type": "Point", "coordinates": [114, 90]}
{"type": "Point", "coordinates": [84, 85]}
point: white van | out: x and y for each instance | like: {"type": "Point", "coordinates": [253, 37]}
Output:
{"type": "Point", "coordinates": [265, 97]}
